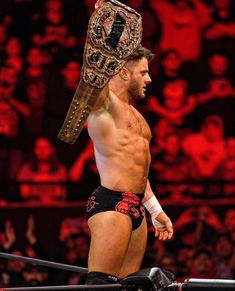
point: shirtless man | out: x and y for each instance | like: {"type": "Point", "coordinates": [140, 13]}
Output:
{"type": "Point", "coordinates": [115, 210]}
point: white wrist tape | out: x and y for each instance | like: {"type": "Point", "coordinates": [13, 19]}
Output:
{"type": "Point", "coordinates": [154, 208]}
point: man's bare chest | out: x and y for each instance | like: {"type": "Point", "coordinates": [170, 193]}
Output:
{"type": "Point", "coordinates": [136, 124]}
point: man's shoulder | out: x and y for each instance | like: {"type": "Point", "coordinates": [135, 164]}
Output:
{"type": "Point", "coordinates": [111, 105]}
{"type": "Point", "coordinates": [99, 121]}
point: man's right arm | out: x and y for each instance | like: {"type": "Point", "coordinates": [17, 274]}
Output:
{"type": "Point", "coordinates": [102, 98]}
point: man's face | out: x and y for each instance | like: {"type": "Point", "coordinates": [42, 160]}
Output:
{"type": "Point", "coordinates": [139, 78]}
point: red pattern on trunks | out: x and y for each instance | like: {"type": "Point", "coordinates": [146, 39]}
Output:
{"type": "Point", "coordinates": [128, 205]}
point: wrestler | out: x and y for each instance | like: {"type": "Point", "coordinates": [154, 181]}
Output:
{"type": "Point", "coordinates": [115, 211]}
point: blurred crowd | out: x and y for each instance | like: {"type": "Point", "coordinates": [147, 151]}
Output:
{"type": "Point", "coordinates": [203, 247]}
{"type": "Point", "coordinates": [190, 107]}
{"type": "Point", "coordinates": [189, 104]}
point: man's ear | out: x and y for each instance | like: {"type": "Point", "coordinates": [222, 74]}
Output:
{"type": "Point", "coordinates": [124, 73]}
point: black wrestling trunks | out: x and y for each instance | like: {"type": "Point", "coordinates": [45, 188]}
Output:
{"type": "Point", "coordinates": [103, 199]}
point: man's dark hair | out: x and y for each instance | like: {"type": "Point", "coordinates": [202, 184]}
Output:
{"type": "Point", "coordinates": [139, 53]}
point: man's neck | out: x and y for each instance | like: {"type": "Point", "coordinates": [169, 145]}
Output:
{"type": "Point", "coordinates": [120, 90]}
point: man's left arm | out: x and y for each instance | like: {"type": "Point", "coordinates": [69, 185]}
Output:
{"type": "Point", "coordinates": [161, 222]}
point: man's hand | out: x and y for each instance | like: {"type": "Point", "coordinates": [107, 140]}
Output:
{"type": "Point", "coordinates": [163, 226]}
{"type": "Point", "coordinates": [161, 222]}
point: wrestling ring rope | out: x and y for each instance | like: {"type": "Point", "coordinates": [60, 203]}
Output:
{"type": "Point", "coordinates": [149, 279]}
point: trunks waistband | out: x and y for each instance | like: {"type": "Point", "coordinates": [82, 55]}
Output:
{"type": "Point", "coordinates": [113, 192]}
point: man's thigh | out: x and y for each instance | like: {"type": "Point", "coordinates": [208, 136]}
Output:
{"type": "Point", "coordinates": [135, 251]}
{"type": "Point", "coordinates": [110, 236]}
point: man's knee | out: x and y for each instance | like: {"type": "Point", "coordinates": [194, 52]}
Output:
{"type": "Point", "coordinates": [94, 278]}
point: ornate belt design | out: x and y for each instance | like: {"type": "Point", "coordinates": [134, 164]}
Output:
{"type": "Point", "coordinates": [114, 32]}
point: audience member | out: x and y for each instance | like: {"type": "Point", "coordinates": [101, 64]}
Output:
{"type": "Point", "coordinates": [13, 54]}
{"type": "Point", "coordinates": [173, 166]}
{"type": "Point", "coordinates": [220, 33]}
{"type": "Point", "coordinates": [13, 47]}
{"type": "Point", "coordinates": [217, 80]}
{"type": "Point", "coordinates": [170, 69]}
{"type": "Point", "coordinates": [61, 87]}
{"type": "Point", "coordinates": [12, 274]}
{"type": "Point", "coordinates": [194, 45]}
{"type": "Point", "coordinates": [151, 24]}
{"type": "Point", "coordinates": [197, 227]}
{"type": "Point", "coordinates": [184, 257]}
{"type": "Point", "coordinates": [13, 271]}
{"type": "Point", "coordinates": [203, 264]}
{"type": "Point", "coordinates": [45, 173]}
{"type": "Point", "coordinates": [21, 17]}
{"type": "Point", "coordinates": [226, 169]}
{"type": "Point", "coordinates": [207, 147]}
{"type": "Point", "coordinates": [161, 129]}
{"type": "Point", "coordinates": [224, 256]}
{"type": "Point", "coordinates": [177, 104]}
{"type": "Point", "coordinates": [208, 225]}
{"type": "Point", "coordinates": [169, 262]}
{"type": "Point", "coordinates": [182, 23]}
{"type": "Point", "coordinates": [13, 114]}
{"type": "Point", "coordinates": [32, 245]}
{"type": "Point", "coordinates": [33, 276]}
{"type": "Point", "coordinates": [8, 237]}
{"type": "Point", "coordinates": [32, 85]}
{"type": "Point", "coordinates": [217, 96]}
{"type": "Point", "coordinates": [229, 222]}
{"type": "Point", "coordinates": [84, 166]}
{"type": "Point", "coordinates": [73, 250]}
{"type": "Point", "coordinates": [155, 249]}
{"type": "Point", "coordinates": [54, 36]}
{"type": "Point", "coordinates": [3, 39]}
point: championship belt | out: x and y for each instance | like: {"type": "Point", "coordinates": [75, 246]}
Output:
{"type": "Point", "coordinates": [114, 33]}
